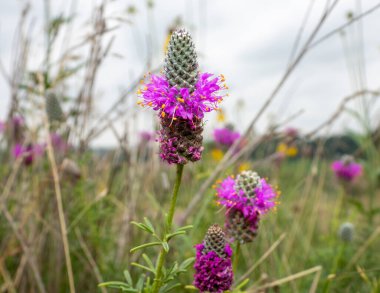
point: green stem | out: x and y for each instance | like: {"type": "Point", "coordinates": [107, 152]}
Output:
{"type": "Point", "coordinates": [236, 257]}
{"type": "Point", "coordinates": [161, 258]}
{"type": "Point", "coordinates": [335, 268]}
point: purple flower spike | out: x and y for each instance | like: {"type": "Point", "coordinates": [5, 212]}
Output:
{"type": "Point", "coordinates": [225, 136]}
{"type": "Point", "coordinates": [29, 152]}
{"type": "Point", "coordinates": [246, 198]}
{"type": "Point", "coordinates": [213, 267]}
{"type": "Point", "coordinates": [181, 97]}
{"type": "Point", "coordinates": [346, 169]}
{"type": "Point", "coordinates": [58, 143]}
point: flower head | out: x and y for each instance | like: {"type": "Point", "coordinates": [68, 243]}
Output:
{"type": "Point", "coordinates": [17, 121]}
{"type": "Point", "coordinates": [261, 198]}
{"type": "Point", "coordinates": [246, 198]}
{"type": "Point", "coordinates": [226, 136]}
{"type": "Point", "coordinates": [146, 136]}
{"type": "Point", "coordinates": [181, 97]}
{"type": "Point", "coordinates": [28, 152]}
{"type": "Point", "coordinates": [291, 132]}
{"type": "Point", "coordinates": [58, 143]}
{"type": "Point", "coordinates": [346, 169]}
{"type": "Point", "coordinates": [213, 267]}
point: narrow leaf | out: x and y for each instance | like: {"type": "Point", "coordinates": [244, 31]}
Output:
{"type": "Point", "coordinates": [148, 261]}
{"type": "Point", "coordinates": [149, 224]}
{"type": "Point", "coordinates": [128, 277]}
{"type": "Point", "coordinates": [143, 267]}
{"type": "Point", "coordinates": [188, 227]}
{"type": "Point", "coordinates": [169, 236]}
{"type": "Point", "coordinates": [144, 245]}
{"type": "Point", "coordinates": [142, 227]}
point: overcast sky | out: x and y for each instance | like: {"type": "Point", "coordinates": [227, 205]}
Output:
{"type": "Point", "coordinates": [249, 41]}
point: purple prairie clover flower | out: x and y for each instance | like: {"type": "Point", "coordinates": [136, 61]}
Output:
{"type": "Point", "coordinates": [246, 199]}
{"type": "Point", "coordinates": [146, 136]}
{"type": "Point", "coordinates": [213, 266]}
{"type": "Point", "coordinates": [58, 143]}
{"type": "Point", "coordinates": [346, 169]}
{"type": "Point", "coordinates": [291, 132]}
{"type": "Point", "coordinates": [181, 97]}
{"type": "Point", "coordinates": [181, 103]}
{"type": "Point", "coordinates": [29, 152]}
{"type": "Point", "coordinates": [226, 136]}
{"type": "Point", "coordinates": [17, 121]}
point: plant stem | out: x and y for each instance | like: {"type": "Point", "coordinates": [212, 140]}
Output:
{"type": "Point", "coordinates": [338, 257]}
{"type": "Point", "coordinates": [236, 257]}
{"type": "Point", "coordinates": [169, 220]}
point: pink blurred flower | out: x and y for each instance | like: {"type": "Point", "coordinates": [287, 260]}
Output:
{"type": "Point", "coordinates": [17, 121]}
{"type": "Point", "coordinates": [29, 152]}
{"type": "Point", "coordinates": [58, 143]}
{"type": "Point", "coordinates": [146, 136]}
{"type": "Point", "coordinates": [346, 169]}
{"type": "Point", "coordinates": [291, 132]}
{"type": "Point", "coordinates": [226, 136]}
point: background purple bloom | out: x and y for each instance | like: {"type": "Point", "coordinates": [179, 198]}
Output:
{"type": "Point", "coordinates": [262, 202]}
{"type": "Point", "coordinates": [346, 171]}
{"type": "Point", "coordinates": [29, 152]}
{"type": "Point", "coordinates": [225, 136]}
{"type": "Point", "coordinates": [213, 273]}
{"type": "Point", "coordinates": [146, 136]}
{"type": "Point", "coordinates": [58, 143]}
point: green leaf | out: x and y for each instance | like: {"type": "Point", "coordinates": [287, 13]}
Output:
{"type": "Point", "coordinates": [169, 288]}
{"type": "Point", "coordinates": [242, 284]}
{"type": "Point", "coordinates": [165, 245]}
{"type": "Point", "coordinates": [186, 263]}
{"type": "Point", "coordinates": [148, 261]}
{"type": "Point", "coordinates": [140, 283]}
{"type": "Point", "coordinates": [144, 245]}
{"type": "Point", "coordinates": [118, 285]}
{"type": "Point", "coordinates": [143, 267]}
{"type": "Point", "coordinates": [149, 224]}
{"type": "Point", "coordinates": [188, 227]}
{"type": "Point", "coordinates": [143, 227]}
{"type": "Point", "coordinates": [191, 287]}
{"type": "Point", "coordinates": [169, 236]}
{"type": "Point", "coordinates": [128, 277]}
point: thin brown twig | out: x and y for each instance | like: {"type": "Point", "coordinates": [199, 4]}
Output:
{"type": "Point", "coordinates": [57, 189]}
{"type": "Point", "coordinates": [285, 280]}
{"type": "Point", "coordinates": [339, 110]}
{"type": "Point", "coordinates": [262, 258]}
